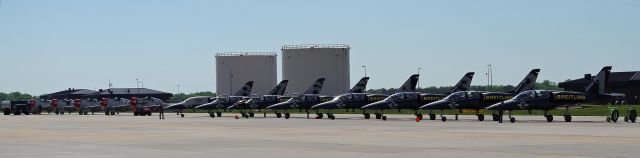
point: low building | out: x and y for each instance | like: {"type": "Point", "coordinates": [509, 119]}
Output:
{"type": "Point", "coordinates": [70, 93]}
{"type": "Point", "coordinates": [129, 93]}
{"type": "Point", "coordinates": [108, 93]}
{"type": "Point", "coordinates": [627, 83]}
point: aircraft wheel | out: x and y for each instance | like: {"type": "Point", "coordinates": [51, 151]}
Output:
{"type": "Point", "coordinates": [6, 112]}
{"type": "Point", "coordinates": [92, 113]}
{"type": "Point", "coordinates": [384, 118]}
{"type": "Point", "coordinates": [16, 113]}
{"type": "Point", "coordinates": [219, 114]}
{"type": "Point", "coordinates": [419, 116]}
{"type": "Point", "coordinates": [614, 115]}
{"type": "Point", "coordinates": [105, 112]}
{"type": "Point", "coordinates": [287, 115]}
{"type": "Point", "coordinates": [549, 118]}
{"type": "Point", "coordinates": [331, 116]}
{"type": "Point", "coordinates": [149, 113]}
{"type": "Point", "coordinates": [212, 115]}
{"type": "Point", "coordinates": [626, 119]}
{"type": "Point", "coordinates": [480, 117]}
{"type": "Point", "coordinates": [251, 114]}
{"type": "Point", "coordinates": [456, 117]}
{"type": "Point", "coordinates": [633, 115]}
{"type": "Point", "coordinates": [432, 116]}
{"type": "Point", "coordinates": [495, 117]}
{"type": "Point", "coordinates": [378, 116]}
{"type": "Point", "coordinates": [567, 118]}
{"type": "Point", "coordinates": [87, 113]}
{"type": "Point", "coordinates": [319, 116]}
{"type": "Point", "coordinates": [135, 113]}
{"type": "Point", "coordinates": [181, 115]}
{"type": "Point", "coordinates": [444, 119]}
{"type": "Point", "coordinates": [278, 115]}
{"type": "Point", "coordinates": [512, 119]}
{"type": "Point", "coordinates": [608, 119]}
{"type": "Point", "coordinates": [367, 116]}
{"type": "Point", "coordinates": [113, 113]}
{"type": "Point", "coordinates": [56, 112]}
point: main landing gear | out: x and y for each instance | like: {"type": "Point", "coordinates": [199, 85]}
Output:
{"type": "Point", "coordinates": [380, 115]}
{"type": "Point", "coordinates": [214, 115]}
{"type": "Point", "coordinates": [180, 114]}
{"type": "Point", "coordinates": [329, 115]}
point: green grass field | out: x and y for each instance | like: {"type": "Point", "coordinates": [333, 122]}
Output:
{"type": "Point", "coordinates": [592, 110]}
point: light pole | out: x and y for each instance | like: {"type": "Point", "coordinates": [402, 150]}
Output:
{"type": "Point", "coordinates": [489, 76]}
{"type": "Point", "coordinates": [419, 68]}
{"type": "Point", "coordinates": [365, 70]}
{"type": "Point", "coordinates": [138, 83]}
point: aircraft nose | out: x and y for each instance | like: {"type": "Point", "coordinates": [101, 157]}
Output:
{"type": "Point", "coordinates": [506, 105]}
{"type": "Point", "coordinates": [177, 106]}
{"type": "Point", "coordinates": [280, 106]}
{"type": "Point", "coordinates": [440, 104]}
{"type": "Point", "coordinates": [203, 106]}
{"type": "Point", "coordinates": [326, 105]}
{"type": "Point", "coordinates": [378, 105]}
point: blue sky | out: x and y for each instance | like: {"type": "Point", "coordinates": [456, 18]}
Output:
{"type": "Point", "coordinates": [49, 45]}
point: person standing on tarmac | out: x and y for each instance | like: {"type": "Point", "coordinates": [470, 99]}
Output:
{"type": "Point", "coordinates": [161, 113]}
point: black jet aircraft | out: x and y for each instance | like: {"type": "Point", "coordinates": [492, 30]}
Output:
{"type": "Point", "coordinates": [548, 99]}
{"type": "Point", "coordinates": [477, 100]}
{"type": "Point", "coordinates": [354, 99]}
{"type": "Point", "coordinates": [302, 102]}
{"type": "Point", "coordinates": [413, 100]}
{"type": "Point", "coordinates": [222, 102]}
{"type": "Point", "coordinates": [273, 97]}
{"type": "Point", "coordinates": [188, 103]}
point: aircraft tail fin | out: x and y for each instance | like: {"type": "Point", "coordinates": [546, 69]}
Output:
{"type": "Point", "coordinates": [361, 86]}
{"type": "Point", "coordinates": [279, 89]}
{"type": "Point", "coordinates": [527, 83]}
{"type": "Point", "coordinates": [599, 82]}
{"type": "Point", "coordinates": [464, 83]}
{"type": "Point", "coordinates": [316, 87]}
{"type": "Point", "coordinates": [246, 89]}
{"type": "Point", "coordinates": [410, 84]}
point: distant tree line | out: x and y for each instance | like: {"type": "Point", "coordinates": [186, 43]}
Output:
{"type": "Point", "coordinates": [15, 96]}
{"type": "Point", "coordinates": [546, 84]}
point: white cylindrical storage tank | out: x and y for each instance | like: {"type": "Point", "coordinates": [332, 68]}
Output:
{"type": "Point", "coordinates": [303, 64]}
{"type": "Point", "coordinates": [233, 70]}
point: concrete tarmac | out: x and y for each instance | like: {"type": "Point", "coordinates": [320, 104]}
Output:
{"type": "Point", "coordinates": [197, 135]}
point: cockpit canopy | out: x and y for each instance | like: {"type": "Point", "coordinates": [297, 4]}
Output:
{"type": "Point", "coordinates": [462, 95]}
{"type": "Point", "coordinates": [530, 94]}
{"type": "Point", "coordinates": [349, 97]}
{"type": "Point", "coordinates": [403, 96]}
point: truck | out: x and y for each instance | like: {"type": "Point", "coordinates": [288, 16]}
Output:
{"type": "Point", "coordinates": [17, 107]}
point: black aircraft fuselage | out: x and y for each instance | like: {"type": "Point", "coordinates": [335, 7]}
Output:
{"type": "Point", "coordinates": [405, 100]}
{"type": "Point", "coordinates": [475, 100]}
{"type": "Point", "coordinates": [350, 101]}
